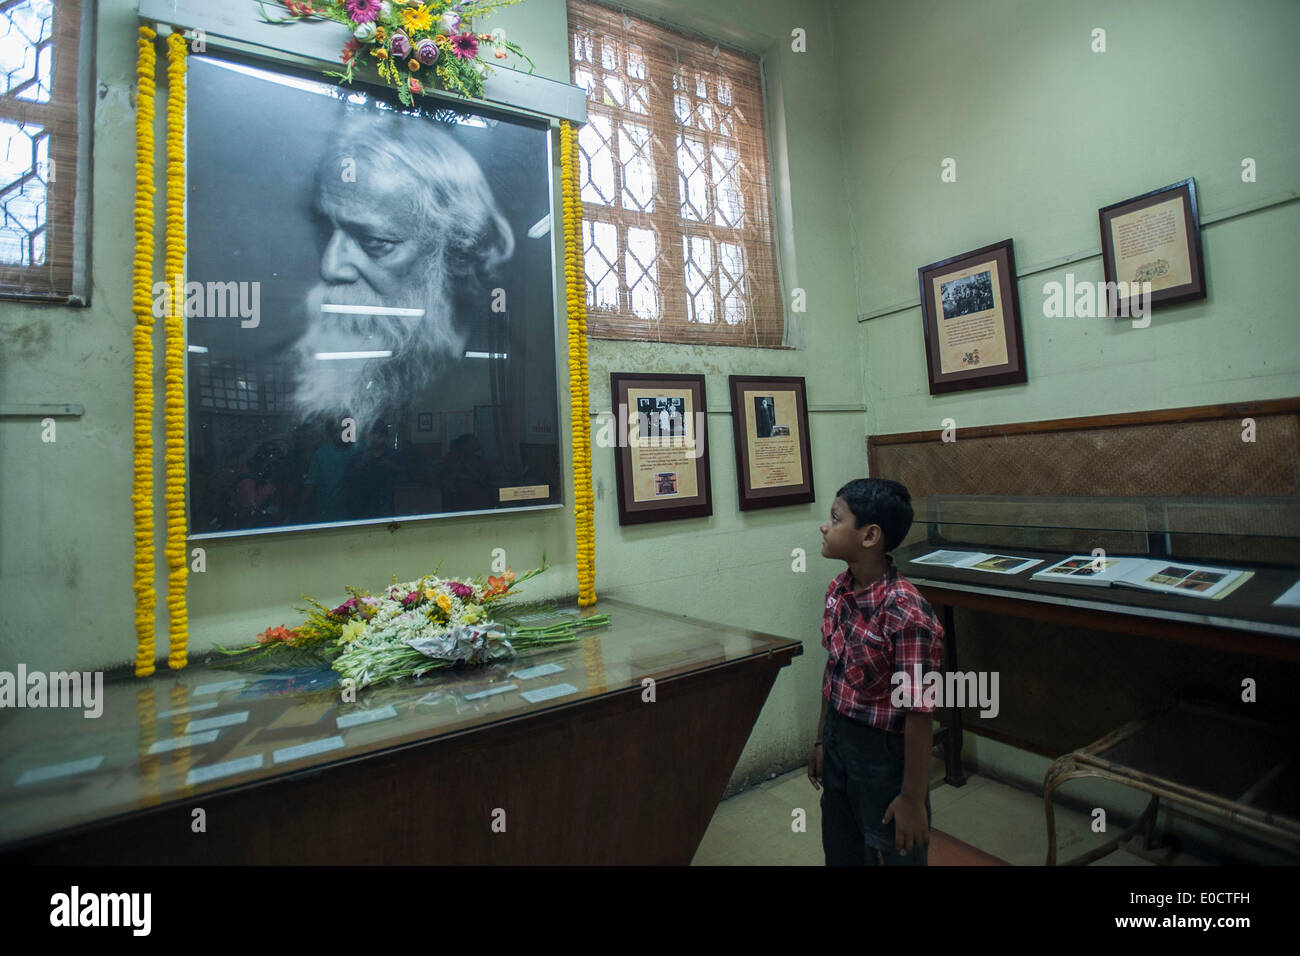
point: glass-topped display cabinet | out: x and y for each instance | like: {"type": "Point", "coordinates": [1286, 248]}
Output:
{"type": "Point", "coordinates": [569, 726]}
{"type": "Point", "coordinates": [1231, 562]}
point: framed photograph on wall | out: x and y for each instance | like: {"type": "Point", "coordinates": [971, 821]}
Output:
{"type": "Point", "coordinates": [970, 310]}
{"type": "Point", "coordinates": [769, 418]}
{"type": "Point", "coordinates": [661, 461]}
{"type": "Point", "coordinates": [346, 336]}
{"type": "Point", "coordinates": [1153, 238]}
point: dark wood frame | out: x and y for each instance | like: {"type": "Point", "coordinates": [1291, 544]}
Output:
{"type": "Point", "coordinates": [641, 513]}
{"type": "Point", "coordinates": [1014, 371]}
{"type": "Point", "coordinates": [769, 498]}
{"type": "Point", "coordinates": [1191, 290]}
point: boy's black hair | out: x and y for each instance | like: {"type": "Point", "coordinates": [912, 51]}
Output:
{"type": "Point", "coordinates": [879, 501]}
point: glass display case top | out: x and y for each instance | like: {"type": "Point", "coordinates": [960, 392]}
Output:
{"type": "Point", "coordinates": [1277, 517]}
{"type": "Point", "coordinates": [178, 735]}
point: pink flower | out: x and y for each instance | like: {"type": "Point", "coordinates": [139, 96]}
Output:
{"type": "Point", "coordinates": [461, 590]}
{"type": "Point", "coordinates": [362, 11]}
{"type": "Point", "coordinates": [465, 45]}
{"type": "Point", "coordinates": [400, 45]}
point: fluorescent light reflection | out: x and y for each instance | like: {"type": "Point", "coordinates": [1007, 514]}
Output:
{"type": "Point", "coordinates": [540, 228]}
{"type": "Point", "coordinates": [370, 310]}
{"type": "Point", "coordinates": [335, 356]}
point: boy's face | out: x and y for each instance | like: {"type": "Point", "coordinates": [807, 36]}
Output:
{"type": "Point", "coordinates": [841, 541]}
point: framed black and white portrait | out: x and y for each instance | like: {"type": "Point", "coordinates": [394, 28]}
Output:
{"type": "Point", "coordinates": [369, 305]}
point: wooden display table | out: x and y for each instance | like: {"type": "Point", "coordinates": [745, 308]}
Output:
{"type": "Point", "coordinates": [1245, 622]}
{"type": "Point", "coordinates": [428, 772]}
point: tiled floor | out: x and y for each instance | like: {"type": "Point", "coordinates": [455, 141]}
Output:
{"type": "Point", "coordinates": [756, 827]}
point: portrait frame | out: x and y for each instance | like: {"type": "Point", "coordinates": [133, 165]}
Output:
{"type": "Point", "coordinates": [969, 300]}
{"type": "Point", "coordinates": [758, 405]}
{"type": "Point", "coordinates": [1170, 212]}
{"type": "Point", "coordinates": [254, 385]}
{"type": "Point", "coordinates": [670, 480]}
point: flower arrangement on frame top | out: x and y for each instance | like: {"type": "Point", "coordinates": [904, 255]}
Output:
{"type": "Point", "coordinates": [413, 45]}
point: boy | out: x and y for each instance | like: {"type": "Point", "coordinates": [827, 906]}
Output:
{"type": "Point", "coordinates": [873, 757]}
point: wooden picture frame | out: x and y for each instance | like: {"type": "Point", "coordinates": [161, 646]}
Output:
{"type": "Point", "coordinates": [970, 309]}
{"type": "Point", "coordinates": [661, 458]}
{"type": "Point", "coordinates": [769, 417]}
{"type": "Point", "coordinates": [1155, 237]}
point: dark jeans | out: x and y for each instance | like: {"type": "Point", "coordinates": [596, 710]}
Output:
{"type": "Point", "coordinates": [862, 772]}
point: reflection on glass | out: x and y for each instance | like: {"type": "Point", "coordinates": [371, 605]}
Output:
{"type": "Point", "coordinates": [344, 304]}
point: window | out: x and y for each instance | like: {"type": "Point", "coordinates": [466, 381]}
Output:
{"type": "Point", "coordinates": [43, 142]}
{"type": "Point", "coordinates": [677, 221]}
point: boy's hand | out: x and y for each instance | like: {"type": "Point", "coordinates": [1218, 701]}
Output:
{"type": "Point", "coordinates": [911, 829]}
{"type": "Point", "coordinates": [815, 767]}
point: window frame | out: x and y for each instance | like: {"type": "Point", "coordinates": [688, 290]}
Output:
{"type": "Point", "coordinates": [67, 195]}
{"type": "Point", "coordinates": [671, 284]}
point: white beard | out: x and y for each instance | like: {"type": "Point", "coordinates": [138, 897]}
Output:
{"type": "Point", "coordinates": [366, 389]}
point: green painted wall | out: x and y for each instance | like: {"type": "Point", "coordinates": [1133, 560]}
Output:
{"type": "Point", "coordinates": [1045, 132]}
{"type": "Point", "coordinates": [65, 514]}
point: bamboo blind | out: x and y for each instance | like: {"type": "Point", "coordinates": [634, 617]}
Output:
{"type": "Point", "coordinates": [38, 147]}
{"type": "Point", "coordinates": [677, 221]}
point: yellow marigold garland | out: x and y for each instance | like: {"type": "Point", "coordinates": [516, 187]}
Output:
{"type": "Point", "coordinates": [580, 420]}
{"type": "Point", "coordinates": [180, 763]}
{"type": "Point", "coordinates": [142, 340]}
{"type": "Point", "coordinates": [146, 708]}
{"type": "Point", "coordinates": [174, 403]}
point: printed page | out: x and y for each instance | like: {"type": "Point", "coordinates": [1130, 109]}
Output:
{"type": "Point", "coordinates": [1003, 564]}
{"type": "Point", "coordinates": [1289, 598]}
{"type": "Point", "coordinates": [1085, 569]}
{"type": "Point", "coordinates": [979, 561]}
{"type": "Point", "coordinates": [1189, 580]}
{"type": "Point", "coordinates": [952, 559]}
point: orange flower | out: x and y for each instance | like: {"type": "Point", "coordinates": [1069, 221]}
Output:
{"type": "Point", "coordinates": [413, 65]}
{"type": "Point", "coordinates": [273, 634]}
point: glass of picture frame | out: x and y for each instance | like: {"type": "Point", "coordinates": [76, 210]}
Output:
{"type": "Point", "coordinates": [970, 309]}
{"type": "Point", "coordinates": [769, 416]}
{"type": "Point", "coordinates": [1151, 246]}
{"type": "Point", "coordinates": [370, 307]}
{"type": "Point", "coordinates": [661, 461]}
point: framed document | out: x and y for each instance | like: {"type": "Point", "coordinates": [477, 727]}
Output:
{"type": "Point", "coordinates": [971, 314]}
{"type": "Point", "coordinates": [769, 415]}
{"type": "Point", "coordinates": [661, 462]}
{"type": "Point", "coordinates": [1153, 238]}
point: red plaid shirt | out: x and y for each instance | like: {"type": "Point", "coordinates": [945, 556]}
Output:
{"type": "Point", "coordinates": [871, 634]}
